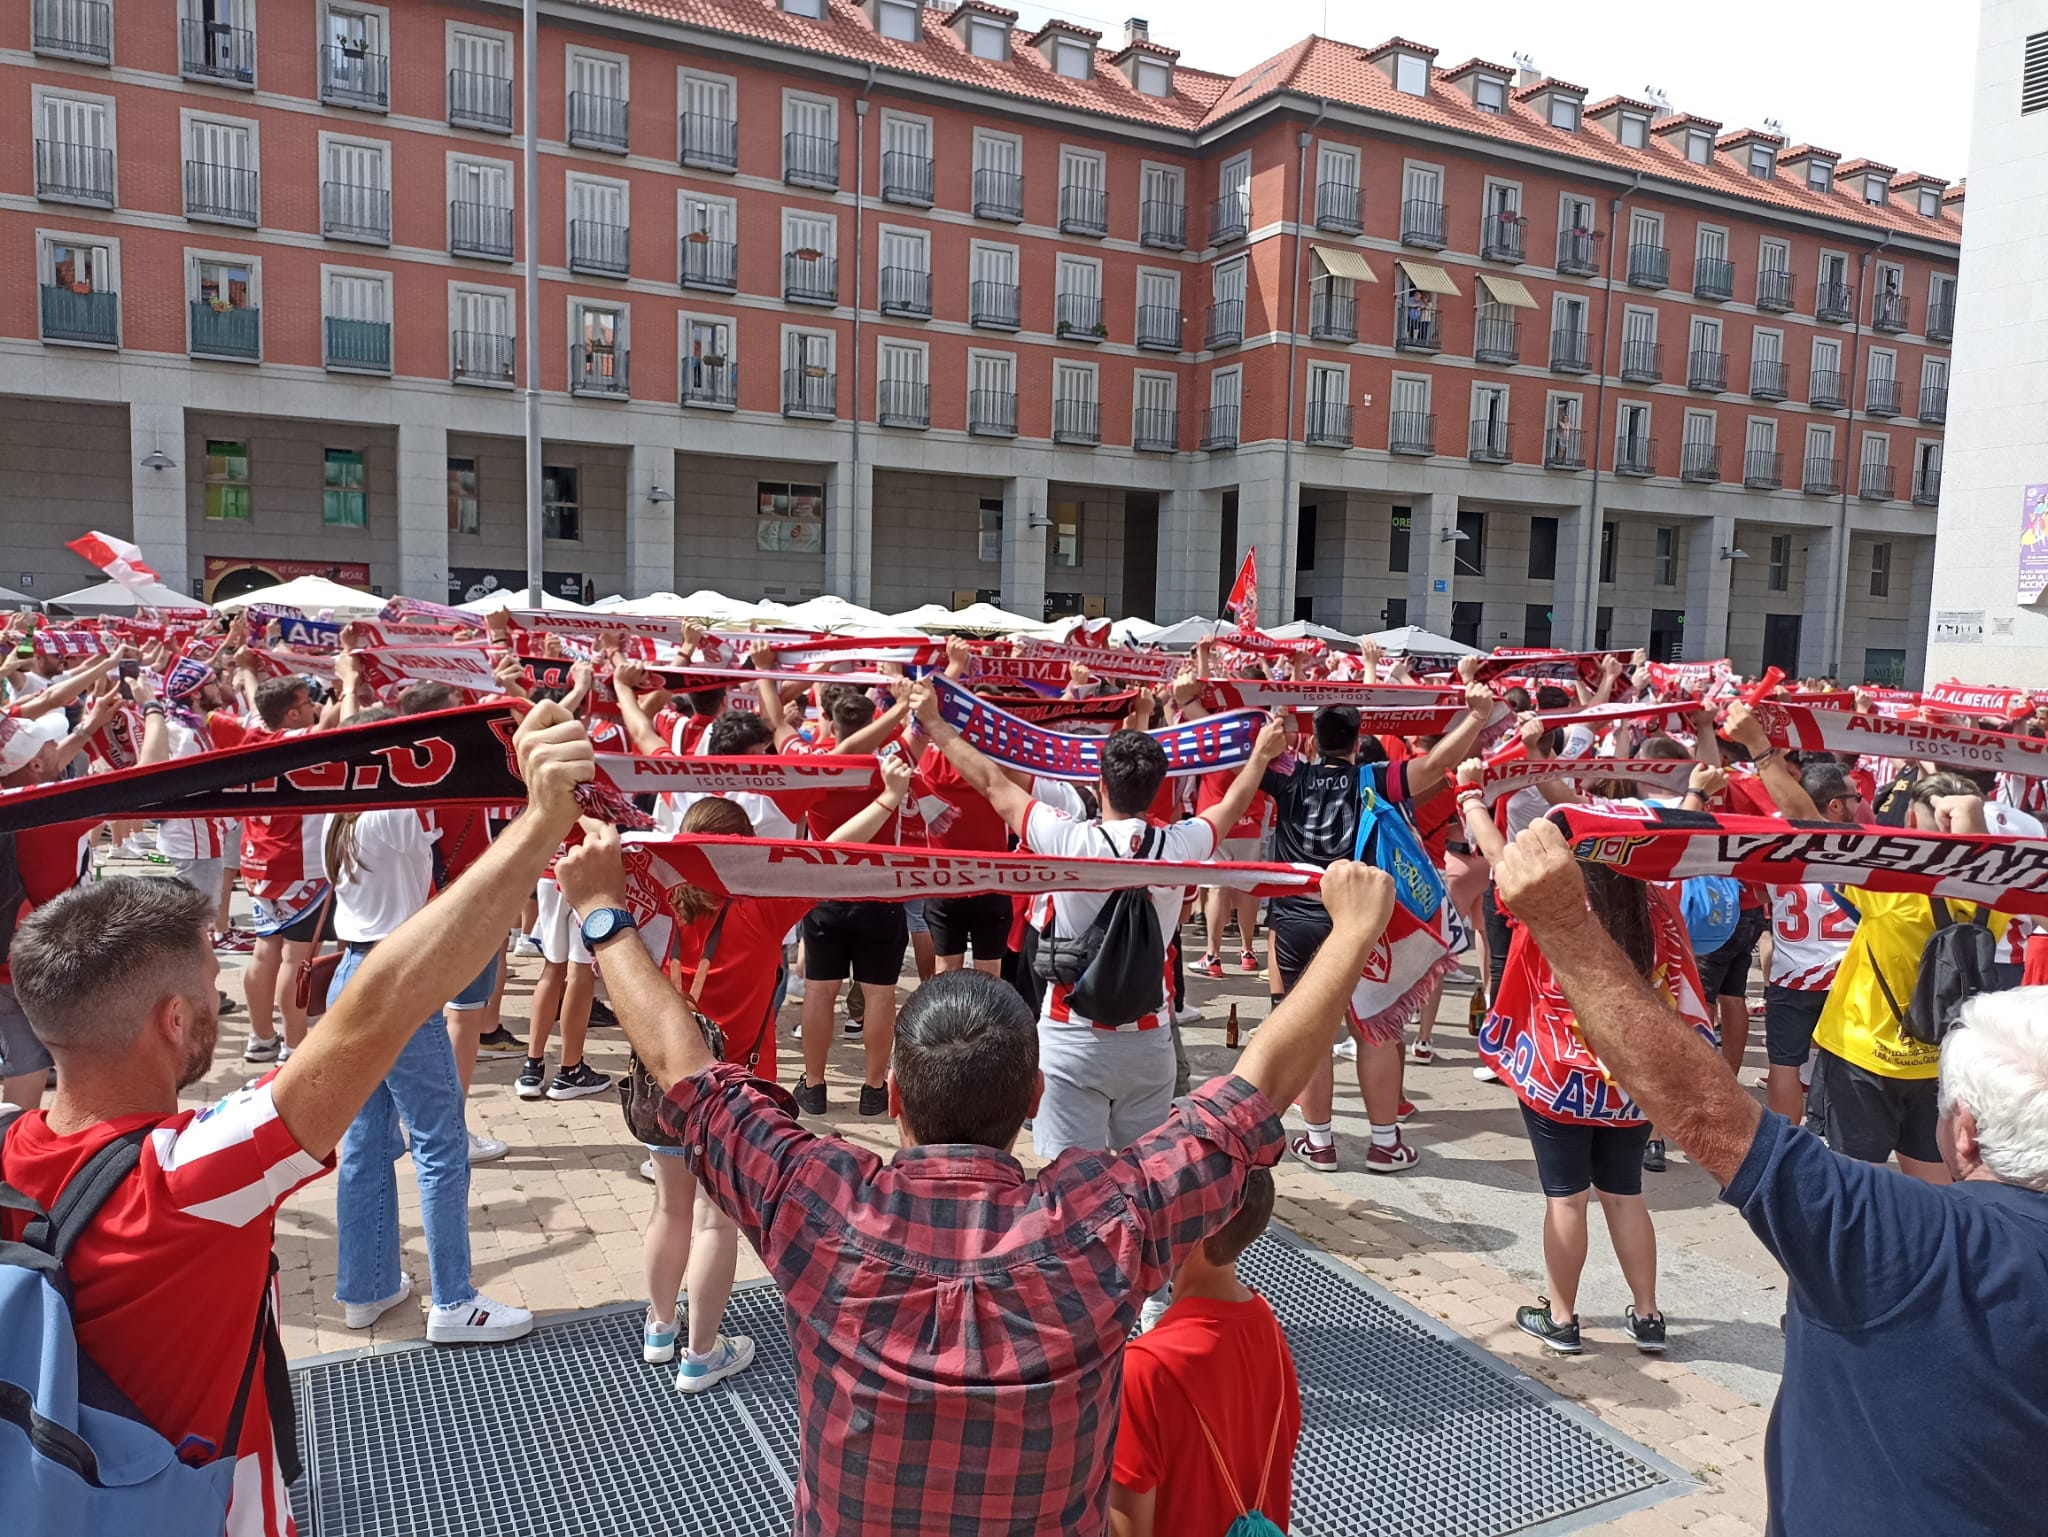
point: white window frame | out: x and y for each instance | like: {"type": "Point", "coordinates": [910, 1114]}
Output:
{"type": "Point", "coordinates": [1820, 176]}
{"type": "Point", "coordinates": [1411, 74]}
{"type": "Point", "coordinates": [997, 136]}
{"type": "Point", "coordinates": [381, 277]}
{"type": "Point", "coordinates": [829, 220]}
{"type": "Point", "coordinates": [510, 296]}
{"type": "Point", "coordinates": [791, 99]}
{"type": "Point", "coordinates": [1325, 369]}
{"type": "Point", "coordinates": [1138, 376]}
{"type": "Point", "coordinates": [1434, 168]}
{"type": "Point", "coordinates": [622, 331]}
{"type": "Point", "coordinates": [253, 127]}
{"type": "Point", "coordinates": [1933, 371]}
{"type": "Point", "coordinates": [1634, 311]}
{"type": "Point", "coordinates": [1770, 159]}
{"type": "Point", "coordinates": [813, 10]}
{"type": "Point", "coordinates": [915, 120]}
{"type": "Point", "coordinates": [1088, 368]}
{"type": "Point", "coordinates": [1235, 375]}
{"type": "Point", "coordinates": [453, 29]}
{"type": "Point", "coordinates": [1823, 432]}
{"type": "Point", "coordinates": [1626, 122]}
{"type": "Point", "coordinates": [1699, 139]}
{"type": "Point", "coordinates": [1480, 83]}
{"type": "Point", "coordinates": [1621, 410]}
{"type": "Point", "coordinates": [1177, 175]}
{"type": "Point", "coordinates": [1225, 181]}
{"type": "Point", "coordinates": [687, 194]}
{"type": "Point", "coordinates": [1695, 414]}
{"type": "Point", "coordinates": [354, 8]}
{"type": "Point", "coordinates": [1757, 333]}
{"type": "Point", "coordinates": [684, 319]}
{"type": "Point", "coordinates": [916, 344]}
{"type": "Point", "coordinates": [1554, 398]}
{"type": "Point", "coordinates": [1750, 445]}
{"type": "Point", "coordinates": [1149, 67]}
{"type": "Point", "coordinates": [1066, 50]}
{"type": "Point", "coordinates": [1935, 280]}
{"type": "Point", "coordinates": [1572, 107]}
{"type": "Point", "coordinates": [1328, 152]}
{"type": "Point", "coordinates": [1821, 261]}
{"type": "Point", "coordinates": [1706, 326]}
{"type": "Point", "coordinates": [1927, 195]}
{"type": "Point", "coordinates": [571, 52]}
{"type": "Point", "coordinates": [1883, 460]}
{"type": "Point", "coordinates": [899, 8]}
{"type": "Point", "coordinates": [1699, 241]}
{"type": "Point", "coordinates": [573, 178]}
{"type": "Point", "coordinates": [194, 255]}
{"type": "Point", "coordinates": [1558, 321]}
{"type": "Point", "coordinates": [1565, 200]}
{"type": "Point", "coordinates": [685, 73]}
{"type": "Point", "coordinates": [107, 104]}
{"type": "Point", "coordinates": [1769, 245]}
{"type": "Point", "coordinates": [1072, 152]}
{"type": "Point", "coordinates": [329, 141]}
{"type": "Point", "coordinates": [984, 29]}
{"type": "Point", "coordinates": [1882, 185]}
{"type": "Point", "coordinates": [1813, 356]}
{"type": "Point", "coordinates": [46, 269]}
{"type": "Point", "coordinates": [1651, 218]}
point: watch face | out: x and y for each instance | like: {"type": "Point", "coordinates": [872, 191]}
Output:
{"type": "Point", "coordinates": [601, 924]}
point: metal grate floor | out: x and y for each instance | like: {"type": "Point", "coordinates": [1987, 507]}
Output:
{"type": "Point", "coordinates": [1407, 1429]}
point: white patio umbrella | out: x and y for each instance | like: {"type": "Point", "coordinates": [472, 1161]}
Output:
{"type": "Point", "coordinates": [1306, 629]}
{"type": "Point", "coordinates": [309, 595]}
{"type": "Point", "coordinates": [703, 605]}
{"type": "Point", "coordinates": [115, 595]}
{"type": "Point", "coordinates": [1187, 634]}
{"type": "Point", "coordinates": [1414, 640]}
{"type": "Point", "coordinates": [975, 619]}
{"type": "Point", "coordinates": [832, 612]}
{"type": "Point", "coordinates": [507, 597]}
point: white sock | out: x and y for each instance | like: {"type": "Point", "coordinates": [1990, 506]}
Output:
{"type": "Point", "coordinates": [1386, 1136]}
{"type": "Point", "coordinates": [696, 1359]}
{"type": "Point", "coordinates": [1320, 1136]}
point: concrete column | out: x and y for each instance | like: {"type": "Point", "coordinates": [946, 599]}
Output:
{"type": "Point", "coordinates": [423, 510]}
{"type": "Point", "coordinates": [158, 518]}
{"type": "Point", "coordinates": [1190, 552]}
{"type": "Point", "coordinates": [850, 530]}
{"type": "Point", "coordinates": [1025, 522]}
{"type": "Point", "coordinates": [1707, 581]}
{"type": "Point", "coordinates": [1918, 617]}
{"type": "Point", "coordinates": [651, 521]}
{"type": "Point", "coordinates": [1572, 619]}
{"type": "Point", "coordinates": [1823, 601]}
{"type": "Point", "coordinates": [1432, 562]}
{"type": "Point", "coordinates": [1267, 524]}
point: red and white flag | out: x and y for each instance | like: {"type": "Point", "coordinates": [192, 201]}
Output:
{"type": "Point", "coordinates": [117, 557]}
{"type": "Point", "coordinates": [1243, 602]}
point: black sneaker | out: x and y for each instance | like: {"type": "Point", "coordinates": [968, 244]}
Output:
{"type": "Point", "coordinates": [601, 1015]}
{"type": "Point", "coordinates": [500, 1040]}
{"type": "Point", "coordinates": [578, 1081]}
{"type": "Point", "coordinates": [874, 1101]}
{"type": "Point", "coordinates": [1648, 1333]}
{"type": "Point", "coordinates": [856, 1002]}
{"type": "Point", "coordinates": [533, 1079]}
{"type": "Point", "coordinates": [1654, 1161]}
{"type": "Point", "coordinates": [1560, 1339]}
{"type": "Point", "coordinates": [810, 1097]}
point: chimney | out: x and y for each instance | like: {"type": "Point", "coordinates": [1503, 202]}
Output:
{"type": "Point", "coordinates": [1137, 30]}
{"type": "Point", "coordinates": [1526, 72]}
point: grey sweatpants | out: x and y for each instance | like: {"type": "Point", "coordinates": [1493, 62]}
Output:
{"type": "Point", "coordinates": [1104, 1089]}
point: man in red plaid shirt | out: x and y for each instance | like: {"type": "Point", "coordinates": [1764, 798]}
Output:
{"type": "Point", "coordinates": [959, 1324]}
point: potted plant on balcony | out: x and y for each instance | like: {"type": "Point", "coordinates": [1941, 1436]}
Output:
{"type": "Point", "coordinates": [1063, 327]}
{"type": "Point", "coordinates": [1098, 330]}
{"type": "Point", "coordinates": [807, 253]}
{"type": "Point", "coordinates": [698, 237]}
{"type": "Point", "coordinates": [220, 304]}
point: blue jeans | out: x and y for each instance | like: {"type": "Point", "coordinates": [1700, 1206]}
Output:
{"type": "Point", "coordinates": [423, 1089]}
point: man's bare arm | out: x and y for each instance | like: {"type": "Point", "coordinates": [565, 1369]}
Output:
{"type": "Point", "coordinates": [1130, 1513]}
{"type": "Point", "coordinates": [1226, 813]}
{"type": "Point", "coordinates": [1787, 790]}
{"type": "Point", "coordinates": [983, 774]}
{"type": "Point", "coordinates": [627, 679]}
{"type": "Point", "coordinates": [1454, 746]}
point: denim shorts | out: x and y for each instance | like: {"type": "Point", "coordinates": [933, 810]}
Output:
{"type": "Point", "coordinates": [913, 917]}
{"type": "Point", "coordinates": [478, 994]}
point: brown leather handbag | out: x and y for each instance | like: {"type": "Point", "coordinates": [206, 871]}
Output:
{"type": "Point", "coordinates": [640, 1096]}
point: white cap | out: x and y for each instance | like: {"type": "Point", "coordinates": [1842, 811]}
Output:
{"type": "Point", "coordinates": [22, 737]}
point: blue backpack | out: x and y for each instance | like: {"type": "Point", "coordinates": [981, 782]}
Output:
{"type": "Point", "coordinates": [76, 1457]}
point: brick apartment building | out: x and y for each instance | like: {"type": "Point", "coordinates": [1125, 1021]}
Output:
{"type": "Point", "coordinates": [909, 304]}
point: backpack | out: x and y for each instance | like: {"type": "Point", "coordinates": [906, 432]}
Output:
{"type": "Point", "coordinates": [75, 1454]}
{"type": "Point", "coordinates": [1711, 906]}
{"type": "Point", "coordinates": [1959, 962]}
{"type": "Point", "coordinates": [1114, 972]}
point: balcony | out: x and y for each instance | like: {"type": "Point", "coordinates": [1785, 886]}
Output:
{"type": "Point", "coordinates": [1635, 456]}
{"type": "Point", "coordinates": [1699, 462]}
{"type": "Point", "coordinates": [1941, 320]}
{"type": "Point", "coordinates": [1564, 448]}
{"type": "Point", "coordinates": [1706, 371]}
{"type": "Point", "coordinates": [1219, 428]}
{"type": "Point", "coordinates": [1826, 391]}
{"type": "Point", "coordinates": [713, 384]}
{"type": "Point", "coordinates": [1891, 313]}
{"type": "Point", "coordinates": [808, 277]}
{"type": "Point", "coordinates": [1225, 326]}
{"type": "Point", "coordinates": [599, 371]}
{"type": "Point", "coordinates": [1642, 362]}
{"type": "Point", "coordinates": [1487, 441]}
{"type": "Point", "coordinates": [235, 334]}
{"type": "Point", "coordinates": [1329, 424]}
{"type": "Point", "coordinates": [1927, 486]}
{"type": "Point", "coordinates": [74, 173]}
{"type": "Point", "coordinates": [811, 391]}
{"type": "Point", "coordinates": [906, 291]}
{"type": "Point", "coordinates": [1713, 277]}
{"type": "Point", "coordinates": [709, 264]}
{"type": "Point", "coordinates": [1417, 329]}
{"type": "Point", "coordinates": [1078, 318]}
{"type": "Point", "coordinates": [1568, 353]}
{"type": "Point", "coordinates": [1880, 397]}
{"type": "Point", "coordinates": [215, 52]}
{"type": "Point", "coordinates": [1763, 469]}
{"type": "Point", "coordinates": [479, 101]}
{"type": "Point", "coordinates": [1422, 223]}
{"type": "Point", "coordinates": [1500, 237]}
{"type": "Point", "coordinates": [999, 195]}
{"type": "Point", "coordinates": [708, 143]}
{"type": "Point", "coordinates": [358, 346]}
{"type": "Point", "coordinates": [1084, 211]}
{"type": "Point", "coordinates": [597, 121]}
{"type": "Point", "coordinates": [907, 178]}
{"type": "Point", "coordinates": [1155, 431]}
{"type": "Point", "coordinates": [1162, 225]}
{"type": "Point", "coordinates": [1833, 301]}
{"type": "Point", "coordinates": [1934, 404]}
{"type": "Point", "coordinates": [81, 319]}
{"type": "Point", "coordinates": [1340, 207]}
{"type": "Point", "coordinates": [1767, 379]}
{"type": "Point", "coordinates": [482, 357]}
{"type": "Point", "coordinates": [1497, 341]}
{"type": "Point", "coordinates": [352, 76]}
{"type": "Point", "coordinates": [602, 250]}
{"type": "Point", "coordinates": [903, 403]}
{"type": "Point", "coordinates": [1649, 266]}
{"type": "Point", "coordinates": [810, 161]}
{"type": "Point", "coordinates": [1159, 327]}
{"type": "Point", "coordinates": [1875, 482]}
{"type": "Point", "coordinates": [992, 413]}
{"type": "Point", "coordinates": [1230, 218]}
{"type": "Point", "coordinates": [992, 306]}
{"type": "Point", "coordinates": [220, 194]}
{"type": "Point", "coordinates": [1077, 421]}
{"type": "Point", "coordinates": [1577, 253]}
{"type": "Point", "coordinates": [1411, 432]}
{"type": "Point", "coordinates": [351, 212]}
{"type": "Point", "coordinates": [1774, 291]}
{"type": "Point", "coordinates": [1822, 477]}
{"type": "Point", "coordinates": [1332, 317]}
{"type": "Point", "coordinates": [73, 29]}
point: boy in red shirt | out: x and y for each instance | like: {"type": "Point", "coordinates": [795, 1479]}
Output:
{"type": "Point", "coordinates": [1217, 1362]}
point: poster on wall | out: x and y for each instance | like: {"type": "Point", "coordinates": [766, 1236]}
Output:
{"type": "Point", "coordinates": [468, 583]}
{"type": "Point", "coordinates": [790, 519]}
{"type": "Point", "coordinates": [230, 576]}
{"type": "Point", "coordinates": [1959, 626]}
{"type": "Point", "coordinates": [2033, 542]}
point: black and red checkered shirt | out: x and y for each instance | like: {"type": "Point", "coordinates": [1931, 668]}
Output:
{"type": "Point", "coordinates": [958, 1324]}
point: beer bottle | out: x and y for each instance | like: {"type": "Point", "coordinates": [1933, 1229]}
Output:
{"type": "Point", "coordinates": [1230, 1029]}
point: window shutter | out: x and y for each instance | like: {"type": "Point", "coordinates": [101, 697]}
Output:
{"type": "Point", "coordinates": [2034, 80]}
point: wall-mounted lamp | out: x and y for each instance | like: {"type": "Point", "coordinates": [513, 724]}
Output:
{"type": "Point", "coordinates": [1730, 552]}
{"type": "Point", "coordinates": [156, 458]}
{"type": "Point", "coordinates": [661, 496]}
{"type": "Point", "coordinates": [1452, 536]}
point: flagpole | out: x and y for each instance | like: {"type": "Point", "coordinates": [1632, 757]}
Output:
{"type": "Point", "coordinates": [530, 65]}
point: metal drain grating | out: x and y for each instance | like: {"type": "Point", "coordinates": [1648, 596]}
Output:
{"type": "Point", "coordinates": [1407, 1429]}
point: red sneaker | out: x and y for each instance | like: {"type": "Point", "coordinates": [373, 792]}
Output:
{"type": "Point", "coordinates": [1391, 1160]}
{"type": "Point", "coordinates": [1209, 966]}
{"type": "Point", "coordinates": [1406, 1109]}
{"type": "Point", "coordinates": [1248, 961]}
{"type": "Point", "coordinates": [1324, 1158]}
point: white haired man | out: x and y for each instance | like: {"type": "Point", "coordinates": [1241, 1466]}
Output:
{"type": "Point", "coordinates": [1917, 1330]}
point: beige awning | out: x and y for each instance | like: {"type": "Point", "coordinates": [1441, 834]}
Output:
{"type": "Point", "coordinates": [1341, 262]}
{"type": "Point", "coordinates": [1507, 291]}
{"type": "Point", "coordinates": [1431, 280]}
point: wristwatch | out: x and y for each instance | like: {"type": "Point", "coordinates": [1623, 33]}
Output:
{"type": "Point", "coordinates": [604, 923]}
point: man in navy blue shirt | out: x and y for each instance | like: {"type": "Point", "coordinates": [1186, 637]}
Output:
{"type": "Point", "coordinates": [1915, 1395]}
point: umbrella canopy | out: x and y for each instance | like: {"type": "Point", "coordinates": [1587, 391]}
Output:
{"type": "Point", "coordinates": [1413, 640]}
{"type": "Point", "coordinates": [1185, 635]}
{"type": "Point", "coordinates": [831, 612]}
{"type": "Point", "coordinates": [9, 595]}
{"type": "Point", "coordinates": [504, 597]}
{"type": "Point", "coordinates": [704, 605]}
{"type": "Point", "coordinates": [115, 595]}
{"type": "Point", "coordinates": [309, 595]}
{"type": "Point", "coordinates": [975, 619]}
{"type": "Point", "coordinates": [1306, 629]}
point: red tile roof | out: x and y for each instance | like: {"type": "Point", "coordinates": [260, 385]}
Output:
{"type": "Point", "coordinates": [1608, 104]}
{"type": "Point", "coordinates": [1807, 152]}
{"type": "Point", "coordinates": [1858, 167]}
{"type": "Point", "coordinates": [1548, 83]}
{"type": "Point", "coordinates": [984, 8]}
{"type": "Point", "coordinates": [1459, 71]}
{"type": "Point", "coordinates": [1071, 28]}
{"type": "Point", "coordinates": [1684, 120]}
{"type": "Point", "coordinates": [1403, 45]}
{"type": "Point", "coordinates": [1915, 179]}
{"type": "Point", "coordinates": [1741, 136]}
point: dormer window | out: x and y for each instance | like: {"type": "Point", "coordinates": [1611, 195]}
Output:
{"type": "Point", "coordinates": [897, 19]}
{"type": "Point", "coordinates": [1763, 161]}
{"type": "Point", "coordinates": [988, 40]}
{"type": "Point", "coordinates": [1490, 94]}
{"type": "Point", "coordinates": [1930, 203]}
{"type": "Point", "coordinates": [811, 8]}
{"type": "Point", "coordinates": [1074, 60]}
{"type": "Point", "coordinates": [1820, 176]}
{"type": "Point", "coordinates": [1154, 78]}
{"type": "Point", "coordinates": [1699, 147]}
{"type": "Point", "coordinates": [1564, 113]}
{"type": "Point", "coordinates": [1411, 74]}
{"type": "Point", "coordinates": [1877, 190]}
{"type": "Point", "coordinates": [1633, 130]}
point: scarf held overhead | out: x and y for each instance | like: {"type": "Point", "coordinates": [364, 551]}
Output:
{"type": "Point", "coordinates": [1810, 730]}
{"type": "Point", "coordinates": [1198, 747]}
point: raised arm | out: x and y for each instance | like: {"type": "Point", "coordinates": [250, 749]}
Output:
{"type": "Point", "coordinates": [1787, 790]}
{"type": "Point", "coordinates": [1480, 827]}
{"type": "Point", "coordinates": [1455, 745]}
{"type": "Point", "coordinates": [1272, 742]}
{"type": "Point", "coordinates": [982, 774]}
{"type": "Point", "coordinates": [762, 655]}
{"type": "Point", "coordinates": [65, 687]}
{"type": "Point", "coordinates": [628, 677]}
{"type": "Point", "coordinates": [862, 826]}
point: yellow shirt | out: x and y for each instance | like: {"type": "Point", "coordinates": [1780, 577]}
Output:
{"type": "Point", "coordinates": [1857, 1024]}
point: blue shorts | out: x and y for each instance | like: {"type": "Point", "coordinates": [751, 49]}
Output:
{"type": "Point", "coordinates": [664, 1152]}
{"type": "Point", "coordinates": [913, 917]}
{"type": "Point", "coordinates": [478, 994]}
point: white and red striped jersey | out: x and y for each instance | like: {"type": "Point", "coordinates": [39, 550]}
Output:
{"type": "Point", "coordinates": [191, 837]}
{"type": "Point", "coordinates": [1810, 935]}
{"type": "Point", "coordinates": [282, 860]}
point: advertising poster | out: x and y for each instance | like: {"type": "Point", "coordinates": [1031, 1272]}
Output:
{"type": "Point", "coordinates": [2033, 542]}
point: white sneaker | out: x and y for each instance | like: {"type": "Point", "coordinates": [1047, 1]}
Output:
{"type": "Point", "coordinates": [647, 1170]}
{"type": "Point", "coordinates": [360, 1315]}
{"type": "Point", "coordinates": [1186, 1016]}
{"type": "Point", "coordinates": [795, 991]}
{"type": "Point", "coordinates": [1154, 1309]}
{"type": "Point", "coordinates": [484, 1149]}
{"type": "Point", "coordinates": [262, 1048]}
{"type": "Point", "coordinates": [733, 1354]}
{"type": "Point", "coordinates": [1485, 1074]}
{"type": "Point", "coordinates": [478, 1321]}
{"type": "Point", "coordinates": [1346, 1050]}
{"type": "Point", "coordinates": [526, 948]}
